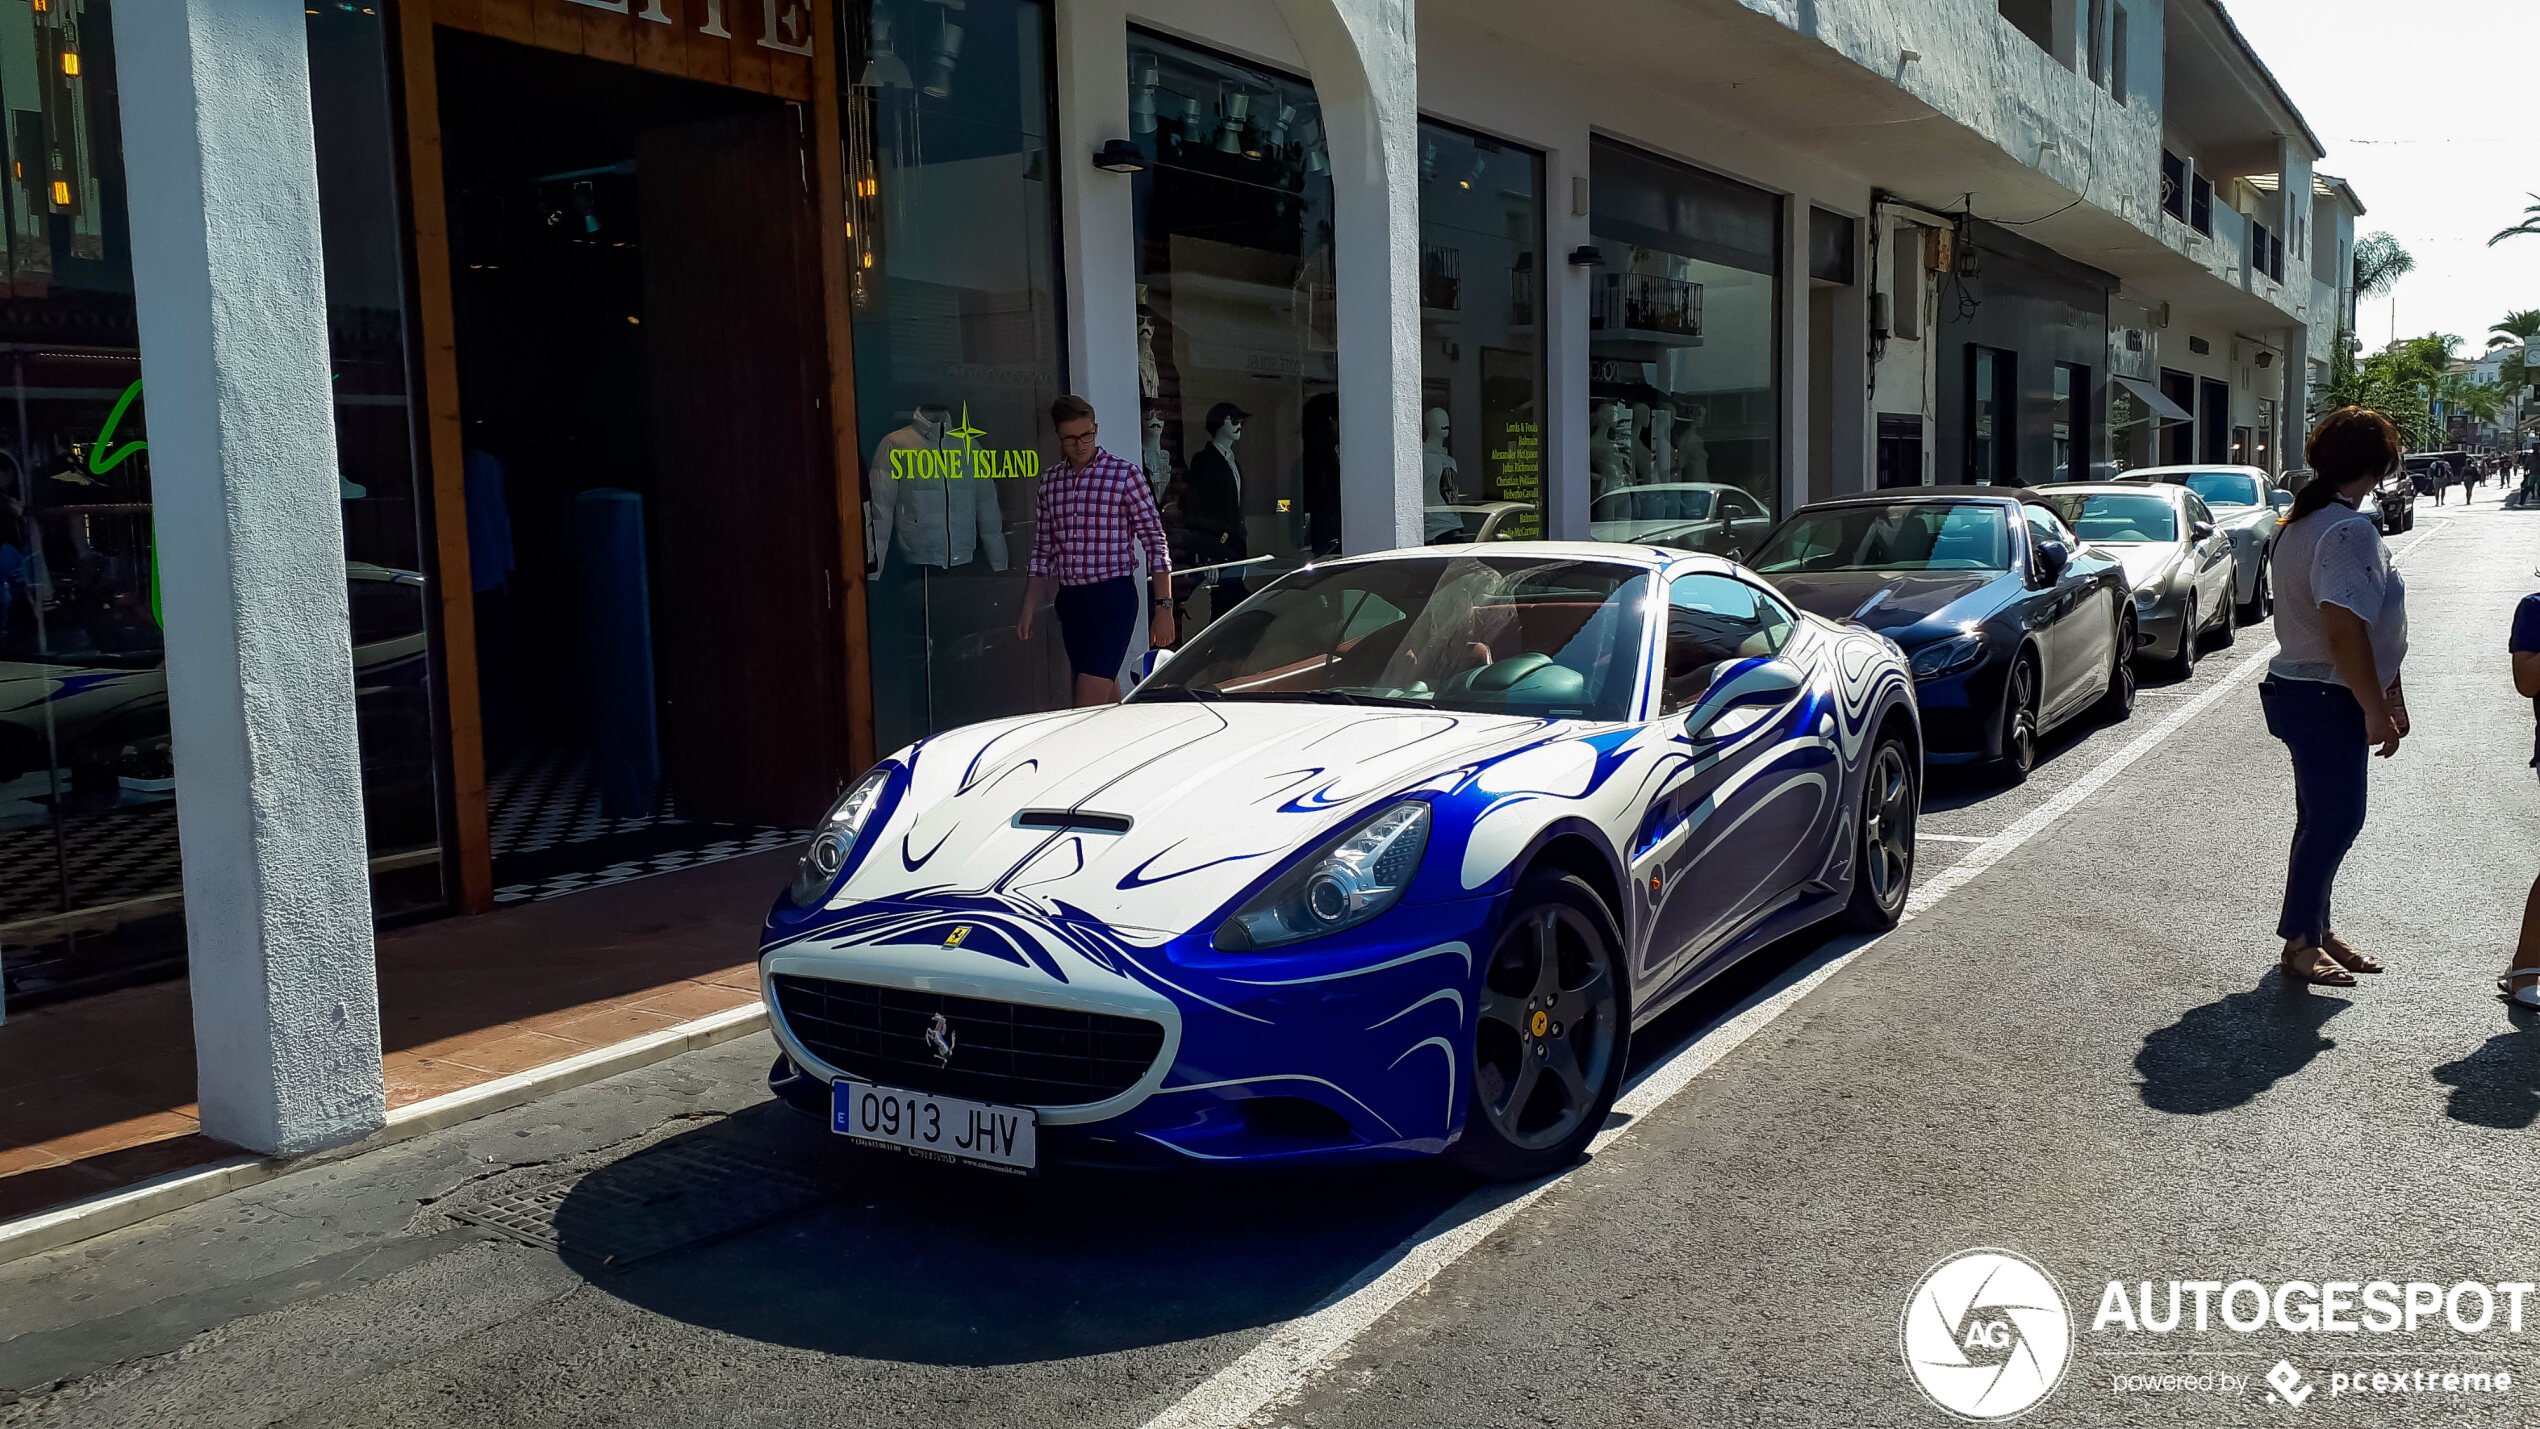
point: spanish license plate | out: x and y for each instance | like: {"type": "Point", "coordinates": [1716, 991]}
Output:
{"type": "Point", "coordinates": [937, 1128]}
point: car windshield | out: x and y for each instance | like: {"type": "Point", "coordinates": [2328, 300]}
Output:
{"type": "Point", "coordinates": [1908, 536]}
{"type": "Point", "coordinates": [1472, 634]}
{"type": "Point", "coordinates": [2222, 488]}
{"type": "Point", "coordinates": [2116, 517]}
{"type": "Point", "coordinates": [1652, 503]}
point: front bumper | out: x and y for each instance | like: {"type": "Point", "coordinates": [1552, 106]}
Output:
{"type": "Point", "coordinates": [1349, 1048]}
{"type": "Point", "coordinates": [2158, 628]}
{"type": "Point", "coordinates": [1962, 712]}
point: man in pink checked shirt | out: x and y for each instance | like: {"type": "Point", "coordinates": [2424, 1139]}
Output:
{"type": "Point", "coordinates": [1095, 514]}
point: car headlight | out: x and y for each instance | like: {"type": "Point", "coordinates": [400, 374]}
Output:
{"type": "Point", "coordinates": [833, 839]}
{"type": "Point", "coordinates": [1359, 876]}
{"type": "Point", "coordinates": [1947, 657]}
{"type": "Point", "coordinates": [2143, 598]}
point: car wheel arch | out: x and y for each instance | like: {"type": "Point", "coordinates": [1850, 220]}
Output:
{"type": "Point", "coordinates": [1576, 847]}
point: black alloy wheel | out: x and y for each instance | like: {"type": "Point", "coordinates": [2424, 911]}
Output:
{"type": "Point", "coordinates": [2019, 723]}
{"type": "Point", "coordinates": [2118, 703]}
{"type": "Point", "coordinates": [1883, 864]}
{"type": "Point", "coordinates": [2226, 629]}
{"type": "Point", "coordinates": [1549, 1043]}
{"type": "Point", "coordinates": [2183, 664]}
{"type": "Point", "coordinates": [2261, 596]}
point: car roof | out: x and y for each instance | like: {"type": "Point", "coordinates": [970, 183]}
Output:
{"type": "Point", "coordinates": [1675, 486]}
{"type": "Point", "coordinates": [2115, 488]}
{"type": "Point", "coordinates": [1923, 493]}
{"type": "Point", "coordinates": [1609, 552]}
{"type": "Point", "coordinates": [2203, 466]}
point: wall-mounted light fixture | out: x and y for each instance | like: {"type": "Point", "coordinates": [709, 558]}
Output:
{"type": "Point", "coordinates": [1586, 255]}
{"type": "Point", "coordinates": [1119, 156]}
{"type": "Point", "coordinates": [1230, 131]}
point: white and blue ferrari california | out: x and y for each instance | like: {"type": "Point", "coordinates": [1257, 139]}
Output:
{"type": "Point", "coordinates": [1387, 862]}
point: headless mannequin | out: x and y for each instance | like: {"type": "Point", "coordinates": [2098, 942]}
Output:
{"type": "Point", "coordinates": [941, 521]}
{"type": "Point", "coordinates": [1644, 464]}
{"type": "Point", "coordinates": [1440, 470]}
{"type": "Point", "coordinates": [1662, 445]}
{"type": "Point", "coordinates": [1151, 457]}
{"type": "Point", "coordinates": [1605, 460]}
{"type": "Point", "coordinates": [1693, 461]}
{"type": "Point", "coordinates": [1150, 383]}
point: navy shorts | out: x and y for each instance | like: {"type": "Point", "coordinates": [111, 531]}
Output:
{"type": "Point", "coordinates": [1094, 621]}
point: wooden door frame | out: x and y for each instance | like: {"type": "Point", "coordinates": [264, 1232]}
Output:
{"type": "Point", "coordinates": [436, 321]}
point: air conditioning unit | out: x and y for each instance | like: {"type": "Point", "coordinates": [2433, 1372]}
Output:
{"type": "Point", "coordinates": [2161, 317]}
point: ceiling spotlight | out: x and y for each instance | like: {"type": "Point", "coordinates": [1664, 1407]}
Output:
{"type": "Point", "coordinates": [1279, 129]}
{"type": "Point", "coordinates": [947, 55]}
{"type": "Point", "coordinates": [1230, 135]}
{"type": "Point", "coordinates": [884, 69]}
{"type": "Point", "coordinates": [1142, 97]}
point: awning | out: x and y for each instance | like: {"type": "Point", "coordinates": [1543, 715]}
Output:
{"type": "Point", "coordinates": [2150, 396]}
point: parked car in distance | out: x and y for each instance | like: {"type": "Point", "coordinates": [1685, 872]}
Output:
{"type": "Point", "coordinates": [2394, 501]}
{"type": "Point", "coordinates": [1385, 863]}
{"type": "Point", "coordinates": [2246, 507]}
{"type": "Point", "coordinates": [1689, 515]}
{"type": "Point", "coordinates": [2011, 625]}
{"type": "Point", "coordinates": [2176, 559]}
{"type": "Point", "coordinates": [1478, 521]}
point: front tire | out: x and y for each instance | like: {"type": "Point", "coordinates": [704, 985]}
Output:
{"type": "Point", "coordinates": [2183, 664]}
{"type": "Point", "coordinates": [1883, 854]}
{"type": "Point", "coordinates": [2118, 704]}
{"type": "Point", "coordinates": [1554, 1026]}
{"type": "Point", "coordinates": [2019, 723]}
{"type": "Point", "coordinates": [2261, 595]}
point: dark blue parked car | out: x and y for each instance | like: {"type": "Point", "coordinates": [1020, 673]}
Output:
{"type": "Point", "coordinates": [2011, 626]}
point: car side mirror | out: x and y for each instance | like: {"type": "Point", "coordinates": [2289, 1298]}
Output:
{"type": "Point", "coordinates": [1737, 554]}
{"type": "Point", "coordinates": [1736, 704]}
{"type": "Point", "coordinates": [2052, 558]}
{"type": "Point", "coordinates": [2200, 529]}
{"type": "Point", "coordinates": [2280, 499]}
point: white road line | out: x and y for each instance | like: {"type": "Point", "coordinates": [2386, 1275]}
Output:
{"type": "Point", "coordinates": [1922, 837]}
{"type": "Point", "coordinates": [1278, 1367]}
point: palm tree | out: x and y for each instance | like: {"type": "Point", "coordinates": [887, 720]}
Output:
{"type": "Point", "coordinates": [2380, 263]}
{"type": "Point", "coordinates": [2530, 223]}
{"type": "Point", "coordinates": [2515, 326]}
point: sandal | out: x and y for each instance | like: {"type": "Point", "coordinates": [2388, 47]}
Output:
{"type": "Point", "coordinates": [2346, 957]}
{"type": "Point", "coordinates": [2327, 975]}
{"type": "Point", "coordinates": [2527, 996]}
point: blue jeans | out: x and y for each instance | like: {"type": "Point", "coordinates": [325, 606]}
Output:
{"type": "Point", "coordinates": [2323, 726]}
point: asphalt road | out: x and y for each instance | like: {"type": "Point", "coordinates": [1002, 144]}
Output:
{"type": "Point", "coordinates": [2080, 1053]}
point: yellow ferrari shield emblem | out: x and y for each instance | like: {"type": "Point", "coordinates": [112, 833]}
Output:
{"type": "Point", "coordinates": [959, 932]}
{"type": "Point", "coordinates": [1542, 1021]}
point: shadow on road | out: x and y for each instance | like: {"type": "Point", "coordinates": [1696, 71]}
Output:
{"type": "Point", "coordinates": [2499, 1084]}
{"type": "Point", "coordinates": [2223, 1054]}
{"type": "Point", "coordinates": [930, 1264]}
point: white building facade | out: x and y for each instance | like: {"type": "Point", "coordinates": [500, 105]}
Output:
{"type": "Point", "coordinates": [1338, 274]}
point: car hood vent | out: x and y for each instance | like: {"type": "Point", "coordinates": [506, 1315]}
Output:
{"type": "Point", "coordinates": [1073, 819]}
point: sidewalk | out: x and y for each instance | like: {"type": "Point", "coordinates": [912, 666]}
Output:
{"type": "Point", "coordinates": [98, 1094]}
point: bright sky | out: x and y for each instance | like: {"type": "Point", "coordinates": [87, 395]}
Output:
{"type": "Point", "coordinates": [2428, 109]}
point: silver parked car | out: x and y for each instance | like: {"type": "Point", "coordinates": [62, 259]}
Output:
{"type": "Point", "coordinates": [1691, 515]}
{"type": "Point", "coordinates": [2175, 556]}
{"type": "Point", "coordinates": [2246, 506]}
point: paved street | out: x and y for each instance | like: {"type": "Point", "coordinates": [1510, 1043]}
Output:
{"type": "Point", "coordinates": [2080, 1053]}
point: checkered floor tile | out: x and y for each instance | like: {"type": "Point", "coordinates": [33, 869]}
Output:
{"type": "Point", "coordinates": [551, 838]}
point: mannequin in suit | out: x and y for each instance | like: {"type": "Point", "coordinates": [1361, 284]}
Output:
{"type": "Point", "coordinates": [1214, 507]}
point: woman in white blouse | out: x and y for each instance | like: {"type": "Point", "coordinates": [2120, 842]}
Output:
{"type": "Point", "coordinates": [2332, 693]}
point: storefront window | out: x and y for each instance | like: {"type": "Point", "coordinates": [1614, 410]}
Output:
{"type": "Point", "coordinates": [90, 885]}
{"type": "Point", "coordinates": [1684, 421]}
{"type": "Point", "coordinates": [1481, 350]}
{"type": "Point", "coordinates": [1237, 356]}
{"type": "Point", "coordinates": [953, 260]}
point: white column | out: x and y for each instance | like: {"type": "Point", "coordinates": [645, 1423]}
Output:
{"type": "Point", "coordinates": [1366, 75]}
{"type": "Point", "coordinates": [222, 176]}
{"type": "Point", "coordinates": [1794, 355]}
{"type": "Point", "coordinates": [2293, 410]}
{"type": "Point", "coordinates": [1565, 344]}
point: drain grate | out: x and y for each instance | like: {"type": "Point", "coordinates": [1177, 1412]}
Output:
{"type": "Point", "coordinates": [672, 1196]}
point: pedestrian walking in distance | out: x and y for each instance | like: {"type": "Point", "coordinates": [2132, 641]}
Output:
{"type": "Point", "coordinates": [2522, 982]}
{"type": "Point", "coordinates": [1095, 511]}
{"type": "Point", "coordinates": [2332, 692]}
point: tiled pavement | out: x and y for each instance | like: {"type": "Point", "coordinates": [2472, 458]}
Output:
{"type": "Point", "coordinates": [99, 1092]}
